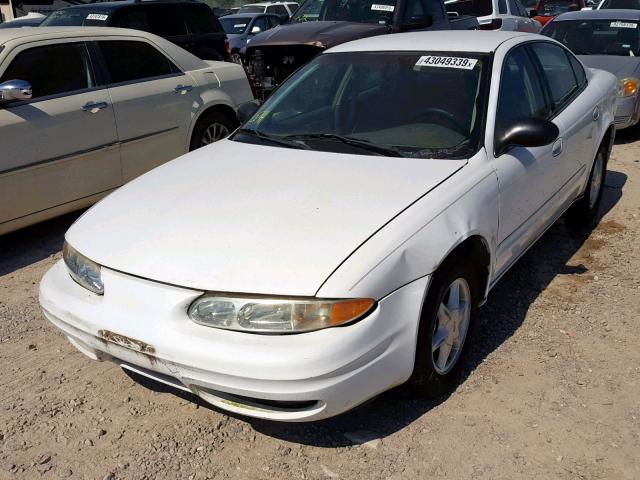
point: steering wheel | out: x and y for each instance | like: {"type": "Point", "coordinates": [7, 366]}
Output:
{"type": "Point", "coordinates": [428, 113]}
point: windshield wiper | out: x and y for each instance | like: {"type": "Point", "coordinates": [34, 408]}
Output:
{"type": "Point", "coordinates": [461, 150]}
{"type": "Point", "coordinates": [355, 142]}
{"type": "Point", "coordinates": [270, 138]}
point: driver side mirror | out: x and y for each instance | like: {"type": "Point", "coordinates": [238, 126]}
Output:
{"type": "Point", "coordinates": [255, 29]}
{"type": "Point", "coordinates": [533, 13]}
{"type": "Point", "coordinates": [246, 111]}
{"type": "Point", "coordinates": [526, 132]}
{"type": "Point", "coordinates": [15, 90]}
{"type": "Point", "coordinates": [417, 23]}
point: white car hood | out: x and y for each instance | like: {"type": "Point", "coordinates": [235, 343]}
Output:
{"type": "Point", "coordinates": [236, 217]}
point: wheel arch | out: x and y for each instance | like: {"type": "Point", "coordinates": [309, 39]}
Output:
{"type": "Point", "coordinates": [223, 108]}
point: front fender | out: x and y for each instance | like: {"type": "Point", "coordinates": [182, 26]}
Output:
{"type": "Point", "coordinates": [416, 242]}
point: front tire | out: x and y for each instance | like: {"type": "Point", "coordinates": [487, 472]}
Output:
{"type": "Point", "coordinates": [211, 127]}
{"type": "Point", "coordinates": [585, 210]}
{"type": "Point", "coordinates": [447, 317]}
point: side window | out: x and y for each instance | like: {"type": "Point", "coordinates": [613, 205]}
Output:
{"type": "Point", "coordinates": [200, 19]}
{"type": "Point", "coordinates": [521, 9]}
{"type": "Point", "coordinates": [578, 70]}
{"type": "Point", "coordinates": [53, 69]}
{"type": "Point", "coordinates": [521, 92]}
{"type": "Point", "coordinates": [502, 7]}
{"type": "Point", "coordinates": [135, 19]}
{"type": "Point", "coordinates": [513, 8]}
{"type": "Point", "coordinates": [416, 9]}
{"type": "Point", "coordinates": [261, 23]}
{"type": "Point", "coordinates": [130, 60]}
{"type": "Point", "coordinates": [558, 72]}
{"type": "Point", "coordinates": [166, 20]}
{"type": "Point", "coordinates": [273, 21]}
{"type": "Point", "coordinates": [281, 10]}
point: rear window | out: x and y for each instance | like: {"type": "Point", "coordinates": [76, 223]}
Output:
{"type": "Point", "coordinates": [77, 17]}
{"type": "Point", "coordinates": [235, 25]}
{"type": "Point", "coordinates": [476, 8]}
{"type": "Point", "coordinates": [200, 19]}
{"type": "Point", "coordinates": [251, 9]}
{"type": "Point", "coordinates": [621, 4]}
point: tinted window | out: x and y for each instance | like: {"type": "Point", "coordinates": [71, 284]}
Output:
{"type": "Point", "coordinates": [502, 6]}
{"type": "Point", "coordinates": [200, 19]}
{"type": "Point", "coordinates": [274, 21]}
{"type": "Point", "coordinates": [622, 4]}
{"type": "Point", "coordinates": [556, 7]}
{"type": "Point", "coordinates": [557, 70]}
{"type": "Point", "coordinates": [235, 25]}
{"type": "Point", "coordinates": [261, 23]}
{"type": "Point", "coordinates": [77, 17]}
{"type": "Point", "coordinates": [278, 9]}
{"type": "Point", "coordinates": [136, 19]}
{"type": "Point", "coordinates": [521, 9]}
{"type": "Point", "coordinates": [128, 61]}
{"type": "Point", "coordinates": [252, 9]}
{"type": "Point", "coordinates": [578, 70]}
{"type": "Point", "coordinates": [597, 37]}
{"type": "Point", "coordinates": [166, 20]}
{"type": "Point", "coordinates": [513, 8]}
{"type": "Point", "coordinates": [521, 93]}
{"type": "Point", "coordinates": [477, 8]}
{"type": "Point", "coordinates": [418, 9]}
{"type": "Point", "coordinates": [53, 69]}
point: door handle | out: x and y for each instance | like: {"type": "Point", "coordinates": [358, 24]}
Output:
{"type": "Point", "coordinates": [557, 147]}
{"type": "Point", "coordinates": [596, 114]}
{"type": "Point", "coordinates": [94, 107]}
{"type": "Point", "coordinates": [182, 89]}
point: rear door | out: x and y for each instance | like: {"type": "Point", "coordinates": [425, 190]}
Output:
{"type": "Point", "coordinates": [60, 146]}
{"type": "Point", "coordinates": [153, 102]}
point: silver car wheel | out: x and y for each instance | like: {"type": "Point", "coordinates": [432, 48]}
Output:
{"type": "Point", "coordinates": [596, 181]}
{"type": "Point", "coordinates": [213, 133]}
{"type": "Point", "coordinates": [451, 327]}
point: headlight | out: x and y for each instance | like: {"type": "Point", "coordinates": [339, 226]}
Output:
{"type": "Point", "coordinates": [628, 87]}
{"type": "Point", "coordinates": [85, 272]}
{"type": "Point", "coordinates": [275, 315]}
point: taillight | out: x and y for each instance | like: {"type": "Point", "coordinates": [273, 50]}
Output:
{"type": "Point", "coordinates": [494, 24]}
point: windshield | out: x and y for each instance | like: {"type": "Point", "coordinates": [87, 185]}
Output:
{"type": "Point", "coordinates": [360, 11]}
{"type": "Point", "coordinates": [476, 8]}
{"type": "Point", "coordinates": [418, 104]}
{"type": "Point", "coordinates": [235, 25]}
{"type": "Point", "coordinates": [553, 8]}
{"type": "Point", "coordinates": [252, 9]}
{"type": "Point", "coordinates": [596, 37]}
{"type": "Point", "coordinates": [76, 17]}
{"type": "Point", "coordinates": [621, 4]}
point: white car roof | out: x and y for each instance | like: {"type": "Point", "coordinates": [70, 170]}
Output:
{"type": "Point", "coordinates": [444, 40]}
{"type": "Point", "coordinates": [184, 59]}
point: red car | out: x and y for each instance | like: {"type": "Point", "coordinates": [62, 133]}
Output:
{"type": "Point", "coordinates": [545, 10]}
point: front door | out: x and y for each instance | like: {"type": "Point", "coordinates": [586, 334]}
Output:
{"type": "Point", "coordinates": [153, 101]}
{"type": "Point", "coordinates": [60, 146]}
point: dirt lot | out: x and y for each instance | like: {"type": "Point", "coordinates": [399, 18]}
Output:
{"type": "Point", "coordinates": [552, 389]}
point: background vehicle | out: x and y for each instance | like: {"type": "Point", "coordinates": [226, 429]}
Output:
{"type": "Point", "coordinates": [30, 20]}
{"type": "Point", "coordinates": [85, 110]}
{"type": "Point", "coordinates": [495, 14]}
{"type": "Point", "coordinates": [320, 24]}
{"type": "Point", "coordinates": [619, 4]}
{"type": "Point", "coordinates": [283, 9]}
{"type": "Point", "coordinates": [608, 40]}
{"type": "Point", "coordinates": [189, 24]}
{"type": "Point", "coordinates": [546, 10]}
{"type": "Point", "coordinates": [242, 26]}
{"type": "Point", "coordinates": [365, 210]}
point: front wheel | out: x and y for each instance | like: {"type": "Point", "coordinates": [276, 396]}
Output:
{"type": "Point", "coordinates": [447, 317]}
{"type": "Point", "coordinates": [211, 127]}
{"type": "Point", "coordinates": [585, 209]}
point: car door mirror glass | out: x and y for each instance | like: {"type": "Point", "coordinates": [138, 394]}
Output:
{"type": "Point", "coordinates": [533, 13]}
{"type": "Point", "coordinates": [526, 132]}
{"type": "Point", "coordinates": [246, 111]}
{"type": "Point", "coordinates": [255, 29]}
{"type": "Point", "coordinates": [15, 90]}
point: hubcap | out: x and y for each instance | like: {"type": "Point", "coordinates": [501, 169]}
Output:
{"type": "Point", "coordinates": [213, 133]}
{"type": "Point", "coordinates": [596, 181]}
{"type": "Point", "coordinates": [452, 323]}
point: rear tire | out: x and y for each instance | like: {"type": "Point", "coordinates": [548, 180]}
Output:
{"type": "Point", "coordinates": [445, 325]}
{"type": "Point", "coordinates": [584, 211]}
{"type": "Point", "coordinates": [210, 128]}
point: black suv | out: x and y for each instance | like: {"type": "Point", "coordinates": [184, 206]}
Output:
{"type": "Point", "coordinates": [189, 24]}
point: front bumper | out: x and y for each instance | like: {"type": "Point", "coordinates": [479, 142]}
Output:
{"type": "Point", "coordinates": [627, 113]}
{"type": "Point", "coordinates": [143, 326]}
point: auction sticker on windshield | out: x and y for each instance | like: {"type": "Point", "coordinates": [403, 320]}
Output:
{"type": "Point", "coordinates": [446, 62]}
{"type": "Point", "coordinates": [97, 16]}
{"type": "Point", "coordinates": [623, 25]}
{"type": "Point", "coordinates": [383, 8]}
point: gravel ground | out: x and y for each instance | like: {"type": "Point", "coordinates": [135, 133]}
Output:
{"type": "Point", "coordinates": [552, 388]}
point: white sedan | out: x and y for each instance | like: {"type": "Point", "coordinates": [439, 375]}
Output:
{"type": "Point", "coordinates": [339, 242]}
{"type": "Point", "coordinates": [84, 110]}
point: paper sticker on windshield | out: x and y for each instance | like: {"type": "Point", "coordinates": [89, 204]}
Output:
{"type": "Point", "coordinates": [240, 25]}
{"type": "Point", "coordinates": [619, 24]}
{"type": "Point", "coordinates": [383, 8]}
{"type": "Point", "coordinates": [446, 62]}
{"type": "Point", "coordinates": [97, 16]}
